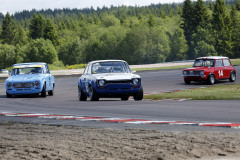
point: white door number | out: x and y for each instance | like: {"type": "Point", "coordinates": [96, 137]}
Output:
{"type": "Point", "coordinates": [220, 72]}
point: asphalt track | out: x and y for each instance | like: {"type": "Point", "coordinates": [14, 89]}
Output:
{"type": "Point", "coordinates": [65, 102]}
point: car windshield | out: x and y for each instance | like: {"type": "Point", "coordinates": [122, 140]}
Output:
{"type": "Point", "coordinates": [109, 67]}
{"type": "Point", "coordinates": [27, 70]}
{"type": "Point", "coordinates": [203, 63]}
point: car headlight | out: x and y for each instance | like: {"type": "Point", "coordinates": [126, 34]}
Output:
{"type": "Point", "coordinates": [101, 82]}
{"type": "Point", "coordinates": [184, 72]}
{"type": "Point", "coordinates": [9, 85]}
{"type": "Point", "coordinates": [135, 81]}
{"type": "Point", "coordinates": [201, 72]}
{"type": "Point", "coordinates": [37, 83]}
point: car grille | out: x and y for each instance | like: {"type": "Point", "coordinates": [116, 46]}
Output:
{"type": "Point", "coordinates": [193, 72]}
{"type": "Point", "coordinates": [119, 82]}
{"type": "Point", "coordinates": [23, 85]}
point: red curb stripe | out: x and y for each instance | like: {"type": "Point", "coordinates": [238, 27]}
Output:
{"type": "Point", "coordinates": [123, 120]}
{"type": "Point", "coordinates": [67, 118]}
{"type": "Point", "coordinates": [222, 125]}
{"type": "Point", "coordinates": [89, 118]}
{"type": "Point", "coordinates": [184, 122]}
{"type": "Point", "coordinates": [116, 120]}
{"type": "Point", "coordinates": [32, 116]}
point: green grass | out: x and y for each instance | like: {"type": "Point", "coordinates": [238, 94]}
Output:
{"type": "Point", "coordinates": [57, 66]}
{"type": "Point", "coordinates": [235, 62]}
{"type": "Point", "coordinates": [76, 66]}
{"type": "Point", "coordinates": [219, 92]}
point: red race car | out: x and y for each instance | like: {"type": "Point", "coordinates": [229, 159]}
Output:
{"type": "Point", "coordinates": [210, 69]}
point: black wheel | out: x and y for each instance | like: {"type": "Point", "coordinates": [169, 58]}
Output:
{"type": "Point", "coordinates": [92, 94]}
{"type": "Point", "coordinates": [8, 95]}
{"type": "Point", "coordinates": [50, 93]}
{"type": "Point", "coordinates": [139, 95]}
{"type": "Point", "coordinates": [43, 92]}
{"type": "Point", "coordinates": [187, 81]}
{"type": "Point", "coordinates": [81, 95]}
{"type": "Point", "coordinates": [232, 77]}
{"type": "Point", "coordinates": [124, 98]}
{"type": "Point", "coordinates": [211, 79]}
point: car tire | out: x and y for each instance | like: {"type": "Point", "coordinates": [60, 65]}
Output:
{"type": "Point", "coordinates": [92, 94]}
{"type": "Point", "coordinates": [8, 95]}
{"type": "Point", "coordinates": [124, 98]}
{"type": "Point", "coordinates": [81, 95]}
{"type": "Point", "coordinates": [232, 77]}
{"type": "Point", "coordinates": [139, 95]}
{"type": "Point", "coordinates": [50, 93]}
{"type": "Point", "coordinates": [43, 92]}
{"type": "Point", "coordinates": [211, 79]}
{"type": "Point", "coordinates": [187, 81]}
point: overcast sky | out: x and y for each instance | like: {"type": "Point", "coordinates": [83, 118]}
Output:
{"type": "Point", "coordinates": [13, 6]}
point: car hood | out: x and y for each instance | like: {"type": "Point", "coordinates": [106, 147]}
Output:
{"type": "Point", "coordinates": [196, 69]}
{"type": "Point", "coordinates": [116, 76]}
{"type": "Point", "coordinates": [25, 78]}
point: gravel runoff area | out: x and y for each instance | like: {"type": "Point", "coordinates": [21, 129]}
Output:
{"type": "Point", "coordinates": [34, 141]}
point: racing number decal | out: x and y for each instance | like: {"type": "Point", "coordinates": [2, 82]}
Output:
{"type": "Point", "coordinates": [220, 72]}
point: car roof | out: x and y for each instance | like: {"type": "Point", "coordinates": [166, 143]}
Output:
{"type": "Point", "coordinates": [110, 60]}
{"type": "Point", "coordinates": [213, 57]}
{"type": "Point", "coordinates": [33, 63]}
{"type": "Point", "coordinates": [24, 65]}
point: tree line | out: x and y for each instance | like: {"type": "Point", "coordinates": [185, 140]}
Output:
{"type": "Point", "coordinates": [139, 35]}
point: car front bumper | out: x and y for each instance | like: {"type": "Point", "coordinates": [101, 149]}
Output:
{"type": "Point", "coordinates": [21, 91]}
{"type": "Point", "coordinates": [195, 77]}
{"type": "Point", "coordinates": [117, 90]}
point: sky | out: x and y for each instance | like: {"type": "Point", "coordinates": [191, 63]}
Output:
{"type": "Point", "coordinates": [12, 6]}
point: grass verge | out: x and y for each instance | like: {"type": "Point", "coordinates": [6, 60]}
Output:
{"type": "Point", "coordinates": [220, 92]}
{"type": "Point", "coordinates": [235, 62]}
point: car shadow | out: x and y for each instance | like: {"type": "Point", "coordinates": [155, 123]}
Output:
{"type": "Point", "coordinates": [22, 96]}
{"type": "Point", "coordinates": [205, 83]}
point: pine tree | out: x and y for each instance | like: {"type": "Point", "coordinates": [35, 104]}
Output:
{"type": "Point", "coordinates": [234, 17]}
{"type": "Point", "coordinates": [238, 5]}
{"type": "Point", "coordinates": [151, 21]}
{"type": "Point", "coordinates": [235, 33]}
{"type": "Point", "coordinates": [200, 15]}
{"type": "Point", "coordinates": [20, 36]}
{"type": "Point", "coordinates": [50, 32]}
{"type": "Point", "coordinates": [8, 30]}
{"type": "Point", "coordinates": [222, 26]}
{"type": "Point", "coordinates": [37, 26]}
{"type": "Point", "coordinates": [187, 25]}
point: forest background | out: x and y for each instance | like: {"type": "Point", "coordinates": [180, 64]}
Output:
{"type": "Point", "coordinates": [139, 35]}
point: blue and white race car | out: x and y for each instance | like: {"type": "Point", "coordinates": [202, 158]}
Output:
{"type": "Point", "coordinates": [109, 78]}
{"type": "Point", "coordinates": [30, 78]}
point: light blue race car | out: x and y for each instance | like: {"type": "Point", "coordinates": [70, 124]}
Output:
{"type": "Point", "coordinates": [109, 79]}
{"type": "Point", "coordinates": [30, 78]}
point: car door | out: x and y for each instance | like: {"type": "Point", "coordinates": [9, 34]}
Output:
{"type": "Point", "coordinates": [47, 78]}
{"type": "Point", "coordinates": [219, 68]}
{"type": "Point", "coordinates": [83, 79]}
{"type": "Point", "coordinates": [227, 68]}
{"type": "Point", "coordinates": [87, 78]}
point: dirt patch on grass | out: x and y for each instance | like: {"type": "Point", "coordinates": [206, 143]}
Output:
{"type": "Point", "coordinates": [30, 141]}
